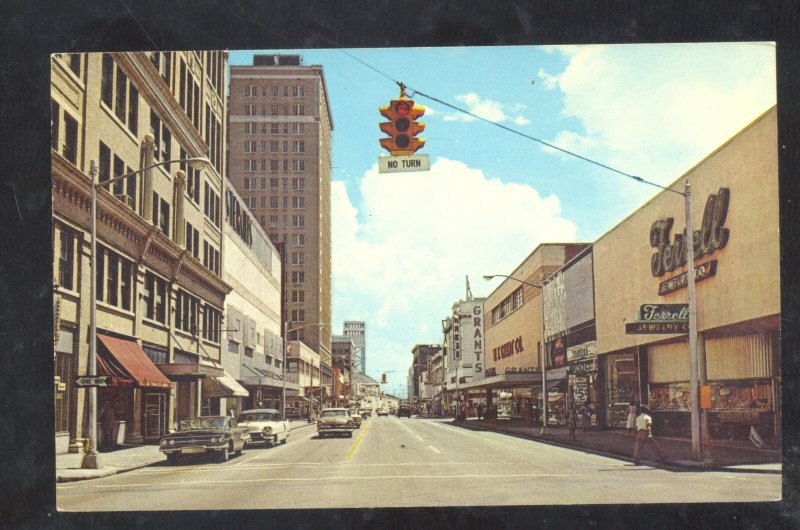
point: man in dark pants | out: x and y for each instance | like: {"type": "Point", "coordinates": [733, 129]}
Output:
{"type": "Point", "coordinates": [644, 435]}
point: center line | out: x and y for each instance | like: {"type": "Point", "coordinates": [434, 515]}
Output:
{"type": "Point", "coordinates": [418, 437]}
{"type": "Point", "coordinates": [358, 441]}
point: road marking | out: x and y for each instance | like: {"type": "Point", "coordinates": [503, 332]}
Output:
{"type": "Point", "coordinates": [432, 447]}
{"type": "Point", "coordinates": [358, 441]}
{"type": "Point", "coordinates": [340, 478]}
{"type": "Point", "coordinates": [418, 437]}
{"type": "Point", "coordinates": [243, 461]}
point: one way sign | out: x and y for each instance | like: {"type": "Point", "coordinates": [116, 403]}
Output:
{"type": "Point", "coordinates": [96, 380]}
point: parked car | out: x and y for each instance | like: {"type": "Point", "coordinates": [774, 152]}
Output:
{"type": "Point", "coordinates": [335, 421]}
{"type": "Point", "coordinates": [404, 410]}
{"type": "Point", "coordinates": [217, 435]}
{"type": "Point", "coordinates": [382, 412]}
{"type": "Point", "coordinates": [357, 418]}
{"type": "Point", "coordinates": [265, 426]}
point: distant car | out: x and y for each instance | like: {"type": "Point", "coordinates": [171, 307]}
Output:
{"type": "Point", "coordinates": [404, 410]}
{"type": "Point", "coordinates": [335, 421]}
{"type": "Point", "coordinates": [217, 435]}
{"type": "Point", "coordinates": [265, 426]}
{"type": "Point", "coordinates": [383, 412]}
{"type": "Point", "coordinates": [366, 413]}
{"type": "Point", "coordinates": [357, 418]}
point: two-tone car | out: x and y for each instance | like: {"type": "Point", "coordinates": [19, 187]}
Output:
{"type": "Point", "coordinates": [265, 426]}
{"type": "Point", "coordinates": [215, 435]}
{"type": "Point", "coordinates": [365, 413]}
{"type": "Point", "coordinates": [335, 421]}
{"type": "Point", "coordinates": [357, 418]}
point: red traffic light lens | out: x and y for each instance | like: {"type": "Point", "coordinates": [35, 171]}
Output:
{"type": "Point", "coordinates": [402, 108]}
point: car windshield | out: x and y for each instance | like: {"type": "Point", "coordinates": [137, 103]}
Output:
{"type": "Point", "coordinates": [333, 413]}
{"type": "Point", "coordinates": [259, 416]}
{"type": "Point", "coordinates": [193, 424]}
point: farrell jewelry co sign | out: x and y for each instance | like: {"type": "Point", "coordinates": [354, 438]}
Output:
{"type": "Point", "coordinates": [660, 318]}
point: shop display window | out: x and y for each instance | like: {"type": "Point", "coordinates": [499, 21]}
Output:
{"type": "Point", "coordinates": [622, 383]}
{"type": "Point", "coordinates": [672, 396]}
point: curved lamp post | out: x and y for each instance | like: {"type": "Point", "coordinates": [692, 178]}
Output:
{"type": "Point", "coordinates": [90, 458]}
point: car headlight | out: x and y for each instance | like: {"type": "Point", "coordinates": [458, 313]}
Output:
{"type": "Point", "coordinates": [214, 440]}
{"type": "Point", "coordinates": [164, 442]}
{"type": "Point", "coordinates": [172, 442]}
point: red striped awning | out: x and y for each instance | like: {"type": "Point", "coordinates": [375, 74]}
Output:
{"type": "Point", "coordinates": [129, 361]}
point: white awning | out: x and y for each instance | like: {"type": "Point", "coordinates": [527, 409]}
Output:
{"type": "Point", "coordinates": [223, 386]}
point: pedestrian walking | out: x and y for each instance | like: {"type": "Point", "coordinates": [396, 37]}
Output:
{"type": "Point", "coordinates": [644, 435]}
{"type": "Point", "coordinates": [631, 423]}
{"type": "Point", "coordinates": [585, 415]}
{"type": "Point", "coordinates": [572, 422]}
{"type": "Point", "coordinates": [534, 413]}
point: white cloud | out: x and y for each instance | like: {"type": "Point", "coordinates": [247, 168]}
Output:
{"type": "Point", "coordinates": [486, 109]}
{"type": "Point", "coordinates": [656, 110]}
{"type": "Point", "coordinates": [401, 261]}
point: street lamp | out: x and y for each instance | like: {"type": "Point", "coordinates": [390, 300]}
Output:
{"type": "Point", "coordinates": [285, 351]}
{"type": "Point", "coordinates": [90, 458]}
{"type": "Point", "coordinates": [488, 277]}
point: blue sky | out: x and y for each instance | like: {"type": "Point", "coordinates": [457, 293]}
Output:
{"type": "Point", "coordinates": [403, 243]}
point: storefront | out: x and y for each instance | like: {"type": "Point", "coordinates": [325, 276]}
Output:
{"type": "Point", "coordinates": [641, 284]}
{"type": "Point", "coordinates": [139, 393]}
{"type": "Point", "coordinates": [582, 377]}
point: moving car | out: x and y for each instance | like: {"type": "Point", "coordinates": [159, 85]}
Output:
{"type": "Point", "coordinates": [404, 410]}
{"type": "Point", "coordinates": [217, 435]}
{"type": "Point", "coordinates": [383, 412]}
{"type": "Point", "coordinates": [265, 426]}
{"type": "Point", "coordinates": [366, 413]}
{"type": "Point", "coordinates": [335, 421]}
{"type": "Point", "coordinates": [357, 418]}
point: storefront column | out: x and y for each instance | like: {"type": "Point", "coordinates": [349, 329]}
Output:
{"type": "Point", "coordinates": [705, 433]}
{"type": "Point", "coordinates": [489, 399]}
{"type": "Point", "coordinates": [134, 434]}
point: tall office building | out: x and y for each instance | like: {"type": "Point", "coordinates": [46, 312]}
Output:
{"type": "Point", "coordinates": [279, 147]}
{"type": "Point", "coordinates": [357, 329]}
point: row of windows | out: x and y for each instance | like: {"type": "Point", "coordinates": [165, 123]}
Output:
{"type": "Point", "coordinates": [297, 240]}
{"type": "Point", "coordinates": [211, 205]}
{"type": "Point", "coordinates": [113, 279]}
{"type": "Point", "coordinates": [298, 166]}
{"type": "Point", "coordinates": [210, 257]}
{"type": "Point", "coordinates": [251, 183]}
{"type": "Point", "coordinates": [298, 296]}
{"type": "Point", "coordinates": [110, 165]}
{"type": "Point", "coordinates": [275, 128]}
{"type": "Point", "coordinates": [273, 146]}
{"type": "Point", "coordinates": [297, 91]}
{"type": "Point", "coordinates": [275, 110]}
{"type": "Point", "coordinates": [298, 315]}
{"type": "Point", "coordinates": [507, 306]}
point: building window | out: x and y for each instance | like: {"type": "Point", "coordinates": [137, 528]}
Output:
{"type": "Point", "coordinates": [163, 62]}
{"type": "Point", "coordinates": [273, 221]}
{"type": "Point", "coordinates": [114, 279]}
{"type": "Point", "coordinates": [211, 204]}
{"type": "Point", "coordinates": [248, 352]}
{"type": "Point", "coordinates": [187, 308]}
{"type": "Point", "coordinates": [298, 203]}
{"type": "Point", "coordinates": [298, 296]}
{"type": "Point", "coordinates": [155, 296]}
{"type": "Point", "coordinates": [210, 257]}
{"type": "Point", "coordinates": [212, 320]}
{"type": "Point", "coordinates": [233, 346]}
{"type": "Point", "coordinates": [298, 221]}
{"type": "Point", "coordinates": [299, 110]}
{"type": "Point", "coordinates": [250, 91]}
{"type": "Point", "coordinates": [298, 277]}
{"type": "Point", "coordinates": [193, 240]}
{"type": "Point", "coordinates": [119, 94]}
{"type": "Point", "coordinates": [298, 258]}
{"type": "Point", "coordinates": [298, 315]}
{"type": "Point", "coordinates": [298, 240]}
{"type": "Point", "coordinates": [274, 110]}
{"type": "Point", "coordinates": [298, 128]}
{"type": "Point", "coordinates": [250, 146]}
{"type": "Point", "coordinates": [161, 214]}
{"type": "Point", "coordinates": [70, 149]}
{"type": "Point", "coordinates": [273, 202]}
{"type": "Point", "coordinates": [162, 136]}
{"type": "Point", "coordinates": [298, 146]}
{"type": "Point", "coordinates": [66, 258]}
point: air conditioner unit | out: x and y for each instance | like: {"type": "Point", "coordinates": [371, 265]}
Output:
{"type": "Point", "coordinates": [126, 199]}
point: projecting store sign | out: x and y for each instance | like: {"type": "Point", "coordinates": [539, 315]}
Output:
{"type": "Point", "coordinates": [400, 164]}
{"type": "Point", "coordinates": [660, 318]}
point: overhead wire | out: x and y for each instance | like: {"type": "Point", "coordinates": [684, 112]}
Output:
{"type": "Point", "coordinates": [404, 88]}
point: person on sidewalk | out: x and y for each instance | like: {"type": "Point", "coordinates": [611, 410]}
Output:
{"type": "Point", "coordinates": [108, 421]}
{"type": "Point", "coordinates": [480, 411]}
{"type": "Point", "coordinates": [631, 423]}
{"type": "Point", "coordinates": [644, 435]}
{"type": "Point", "coordinates": [572, 422]}
{"type": "Point", "coordinates": [586, 415]}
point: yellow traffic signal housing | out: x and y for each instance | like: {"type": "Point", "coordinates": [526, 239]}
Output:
{"type": "Point", "coordinates": [402, 127]}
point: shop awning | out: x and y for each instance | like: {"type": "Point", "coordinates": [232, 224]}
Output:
{"type": "Point", "coordinates": [190, 371]}
{"type": "Point", "coordinates": [129, 361]}
{"type": "Point", "coordinates": [223, 386]}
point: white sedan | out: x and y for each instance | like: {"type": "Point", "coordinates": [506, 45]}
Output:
{"type": "Point", "coordinates": [264, 426]}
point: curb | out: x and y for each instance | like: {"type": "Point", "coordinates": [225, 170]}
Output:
{"type": "Point", "coordinates": [671, 465]}
{"type": "Point", "coordinates": [103, 473]}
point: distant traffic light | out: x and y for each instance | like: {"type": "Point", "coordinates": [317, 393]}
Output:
{"type": "Point", "coordinates": [383, 378]}
{"type": "Point", "coordinates": [401, 127]}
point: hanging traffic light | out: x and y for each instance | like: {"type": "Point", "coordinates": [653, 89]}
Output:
{"type": "Point", "coordinates": [383, 378]}
{"type": "Point", "coordinates": [402, 127]}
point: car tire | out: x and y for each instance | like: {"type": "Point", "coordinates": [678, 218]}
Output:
{"type": "Point", "coordinates": [222, 456]}
{"type": "Point", "coordinates": [238, 452]}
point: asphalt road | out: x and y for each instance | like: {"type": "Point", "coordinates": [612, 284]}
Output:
{"type": "Point", "coordinates": [402, 462]}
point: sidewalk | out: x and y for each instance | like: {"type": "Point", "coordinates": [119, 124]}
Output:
{"type": "Point", "coordinates": [68, 466]}
{"type": "Point", "coordinates": [740, 456]}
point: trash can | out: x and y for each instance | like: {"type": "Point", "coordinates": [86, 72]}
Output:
{"type": "Point", "coordinates": [119, 433]}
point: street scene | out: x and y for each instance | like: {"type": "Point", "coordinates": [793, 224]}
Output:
{"type": "Point", "coordinates": [289, 279]}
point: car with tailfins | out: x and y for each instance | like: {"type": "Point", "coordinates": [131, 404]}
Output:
{"type": "Point", "coordinates": [203, 435]}
{"type": "Point", "coordinates": [335, 421]}
{"type": "Point", "coordinates": [265, 426]}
